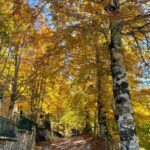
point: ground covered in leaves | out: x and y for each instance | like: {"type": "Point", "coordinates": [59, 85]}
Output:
{"type": "Point", "coordinates": [71, 143]}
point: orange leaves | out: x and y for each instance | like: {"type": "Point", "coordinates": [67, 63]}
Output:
{"type": "Point", "coordinates": [145, 92]}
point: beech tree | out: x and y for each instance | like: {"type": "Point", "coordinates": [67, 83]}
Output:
{"type": "Point", "coordinates": [123, 108]}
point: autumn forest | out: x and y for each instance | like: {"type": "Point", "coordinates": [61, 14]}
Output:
{"type": "Point", "coordinates": [84, 64]}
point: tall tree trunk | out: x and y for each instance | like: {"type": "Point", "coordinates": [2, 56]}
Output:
{"type": "Point", "coordinates": [123, 108]}
{"type": "Point", "coordinates": [14, 84]}
{"type": "Point", "coordinates": [67, 62]}
{"type": "Point", "coordinates": [103, 129]}
{"type": "Point", "coordinates": [87, 127]}
{"type": "Point", "coordinates": [95, 122]}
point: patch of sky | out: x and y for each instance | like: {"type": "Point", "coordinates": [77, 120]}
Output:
{"type": "Point", "coordinates": [33, 3]}
{"type": "Point", "coordinates": [45, 13]}
{"type": "Point", "coordinates": [145, 78]}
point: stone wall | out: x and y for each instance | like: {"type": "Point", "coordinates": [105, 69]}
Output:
{"type": "Point", "coordinates": [24, 141]}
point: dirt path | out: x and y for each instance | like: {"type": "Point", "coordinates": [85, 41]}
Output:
{"type": "Point", "coordinates": [73, 143]}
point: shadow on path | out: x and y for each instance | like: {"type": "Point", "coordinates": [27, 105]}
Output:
{"type": "Point", "coordinates": [71, 143]}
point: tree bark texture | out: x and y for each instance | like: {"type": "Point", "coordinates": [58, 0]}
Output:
{"type": "Point", "coordinates": [123, 108]}
{"type": "Point", "coordinates": [102, 120]}
{"type": "Point", "coordinates": [14, 84]}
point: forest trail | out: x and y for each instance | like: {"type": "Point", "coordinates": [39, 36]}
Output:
{"type": "Point", "coordinates": [71, 143]}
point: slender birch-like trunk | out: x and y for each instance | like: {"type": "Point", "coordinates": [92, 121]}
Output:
{"type": "Point", "coordinates": [123, 108]}
{"type": "Point", "coordinates": [14, 84]}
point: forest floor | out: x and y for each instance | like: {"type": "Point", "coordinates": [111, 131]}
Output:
{"type": "Point", "coordinates": [71, 143]}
